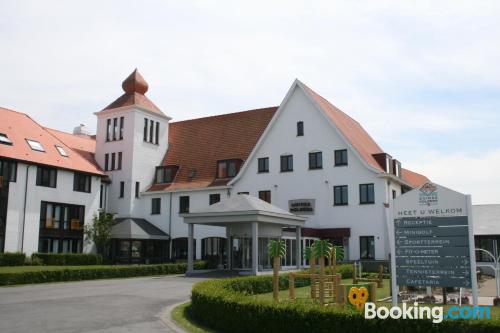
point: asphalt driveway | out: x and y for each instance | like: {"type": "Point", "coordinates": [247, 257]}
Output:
{"type": "Point", "coordinates": [120, 305]}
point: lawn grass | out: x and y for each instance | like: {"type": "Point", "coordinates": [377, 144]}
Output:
{"type": "Point", "coordinates": [181, 317]}
{"type": "Point", "coordinates": [304, 292]}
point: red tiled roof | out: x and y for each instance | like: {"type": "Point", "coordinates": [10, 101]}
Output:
{"type": "Point", "coordinates": [135, 88]}
{"type": "Point", "coordinates": [18, 127]}
{"type": "Point", "coordinates": [413, 178]}
{"type": "Point", "coordinates": [361, 141]}
{"type": "Point", "coordinates": [199, 143]}
{"type": "Point", "coordinates": [84, 145]}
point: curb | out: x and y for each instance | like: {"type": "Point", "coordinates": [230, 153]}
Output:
{"type": "Point", "coordinates": [166, 318]}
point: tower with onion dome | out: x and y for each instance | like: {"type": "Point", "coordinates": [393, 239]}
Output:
{"type": "Point", "coordinates": [131, 141]}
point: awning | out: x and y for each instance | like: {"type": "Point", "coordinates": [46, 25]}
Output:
{"type": "Point", "coordinates": [135, 228]}
{"type": "Point", "coordinates": [241, 209]}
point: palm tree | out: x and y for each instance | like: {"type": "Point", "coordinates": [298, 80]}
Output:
{"type": "Point", "coordinates": [322, 249]}
{"type": "Point", "coordinates": [310, 255]}
{"type": "Point", "coordinates": [276, 250]}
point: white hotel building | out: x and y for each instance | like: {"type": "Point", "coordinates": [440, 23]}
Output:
{"type": "Point", "coordinates": [305, 156]}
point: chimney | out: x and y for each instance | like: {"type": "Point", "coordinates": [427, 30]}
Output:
{"type": "Point", "coordinates": [81, 130]}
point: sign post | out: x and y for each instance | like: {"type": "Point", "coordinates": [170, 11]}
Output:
{"type": "Point", "coordinates": [433, 240]}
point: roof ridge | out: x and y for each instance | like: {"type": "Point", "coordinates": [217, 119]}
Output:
{"type": "Point", "coordinates": [224, 114]}
{"type": "Point", "coordinates": [327, 101]}
{"type": "Point", "coordinates": [83, 136]}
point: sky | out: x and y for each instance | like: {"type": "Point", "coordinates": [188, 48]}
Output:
{"type": "Point", "coordinates": [422, 77]}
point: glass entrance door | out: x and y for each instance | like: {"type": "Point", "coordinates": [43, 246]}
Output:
{"type": "Point", "coordinates": [241, 253]}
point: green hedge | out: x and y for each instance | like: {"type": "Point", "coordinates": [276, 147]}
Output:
{"type": "Point", "coordinates": [92, 273]}
{"type": "Point", "coordinates": [12, 259]}
{"type": "Point", "coordinates": [225, 305]}
{"type": "Point", "coordinates": [68, 259]}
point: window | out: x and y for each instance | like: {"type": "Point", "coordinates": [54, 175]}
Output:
{"type": "Point", "coordinates": [263, 164]}
{"type": "Point", "coordinates": [246, 193]}
{"type": "Point", "coordinates": [35, 145]}
{"type": "Point", "coordinates": [213, 198]}
{"type": "Point", "coordinates": [155, 205]}
{"type": "Point", "coordinates": [341, 157]}
{"type": "Point", "coordinates": [122, 122]}
{"type": "Point", "coordinates": [108, 129]}
{"type": "Point", "coordinates": [145, 138]}
{"type": "Point", "coordinates": [113, 157]}
{"type": "Point", "coordinates": [367, 247]}
{"type": "Point", "coordinates": [300, 128]}
{"type": "Point", "coordinates": [366, 194]}
{"type": "Point", "coordinates": [119, 167]}
{"type": "Point", "coordinates": [315, 160]}
{"type": "Point", "coordinates": [137, 186]}
{"type": "Point", "coordinates": [101, 197]}
{"type": "Point", "coordinates": [265, 195]}
{"type": "Point", "coordinates": [61, 151]}
{"type": "Point", "coordinates": [115, 127]}
{"type": "Point", "coordinates": [394, 194]}
{"type": "Point", "coordinates": [4, 139]}
{"type": "Point", "coordinates": [106, 162]}
{"type": "Point", "coordinates": [184, 204]}
{"type": "Point", "coordinates": [228, 168]}
{"type": "Point", "coordinates": [8, 170]}
{"type": "Point", "coordinates": [46, 177]}
{"type": "Point", "coordinates": [340, 196]}
{"type": "Point", "coordinates": [165, 174]}
{"type": "Point", "coordinates": [122, 189]}
{"type": "Point", "coordinates": [81, 182]}
{"type": "Point", "coordinates": [61, 216]}
{"type": "Point", "coordinates": [151, 130]}
{"type": "Point", "coordinates": [286, 163]}
{"type": "Point", "coordinates": [157, 133]}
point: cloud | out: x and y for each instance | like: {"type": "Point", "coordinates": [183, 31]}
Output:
{"type": "Point", "coordinates": [475, 175]}
{"type": "Point", "coordinates": [418, 76]}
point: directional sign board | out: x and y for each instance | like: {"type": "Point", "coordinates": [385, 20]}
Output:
{"type": "Point", "coordinates": [432, 241]}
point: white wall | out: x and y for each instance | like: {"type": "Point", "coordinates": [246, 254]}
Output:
{"type": "Point", "coordinates": [139, 158]}
{"type": "Point", "coordinates": [302, 183]}
{"type": "Point", "coordinates": [63, 193]}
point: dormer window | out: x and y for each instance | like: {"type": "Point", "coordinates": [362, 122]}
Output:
{"type": "Point", "coordinates": [165, 174]}
{"type": "Point", "coordinates": [228, 168]}
{"type": "Point", "coordinates": [61, 151]}
{"type": "Point", "coordinates": [35, 145]}
{"type": "Point", "coordinates": [5, 140]}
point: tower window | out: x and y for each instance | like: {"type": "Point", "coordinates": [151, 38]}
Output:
{"type": "Point", "coordinates": [151, 130]}
{"type": "Point", "coordinates": [157, 133]}
{"type": "Point", "coordinates": [108, 129]}
{"type": "Point", "coordinates": [113, 157]}
{"type": "Point", "coordinates": [122, 122]}
{"type": "Point", "coordinates": [106, 162]}
{"type": "Point", "coordinates": [119, 167]}
{"type": "Point", "coordinates": [122, 189]}
{"type": "Point", "coordinates": [145, 138]}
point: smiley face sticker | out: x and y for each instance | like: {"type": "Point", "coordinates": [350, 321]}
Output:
{"type": "Point", "coordinates": [358, 297]}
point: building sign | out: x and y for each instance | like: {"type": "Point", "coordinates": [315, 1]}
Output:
{"type": "Point", "coordinates": [433, 239]}
{"type": "Point", "coordinates": [302, 206]}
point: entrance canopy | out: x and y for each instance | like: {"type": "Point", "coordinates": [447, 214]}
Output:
{"type": "Point", "coordinates": [134, 228]}
{"type": "Point", "coordinates": [244, 216]}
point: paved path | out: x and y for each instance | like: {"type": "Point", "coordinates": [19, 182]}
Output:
{"type": "Point", "coordinates": [122, 305]}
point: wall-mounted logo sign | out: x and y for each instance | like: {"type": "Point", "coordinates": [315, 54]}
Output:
{"type": "Point", "coordinates": [302, 206]}
{"type": "Point", "coordinates": [428, 195]}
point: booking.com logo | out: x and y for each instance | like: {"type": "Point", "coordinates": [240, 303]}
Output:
{"type": "Point", "coordinates": [436, 313]}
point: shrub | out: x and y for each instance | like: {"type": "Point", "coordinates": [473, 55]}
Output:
{"type": "Point", "coordinates": [92, 273]}
{"type": "Point", "coordinates": [12, 259]}
{"type": "Point", "coordinates": [344, 269]}
{"type": "Point", "coordinates": [225, 305]}
{"type": "Point", "coordinates": [67, 259]}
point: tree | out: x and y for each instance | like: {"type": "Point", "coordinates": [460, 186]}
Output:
{"type": "Point", "coordinates": [322, 249]}
{"type": "Point", "coordinates": [276, 250]}
{"type": "Point", "coordinates": [99, 231]}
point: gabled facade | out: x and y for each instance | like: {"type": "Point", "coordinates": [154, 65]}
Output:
{"type": "Point", "coordinates": [305, 156]}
